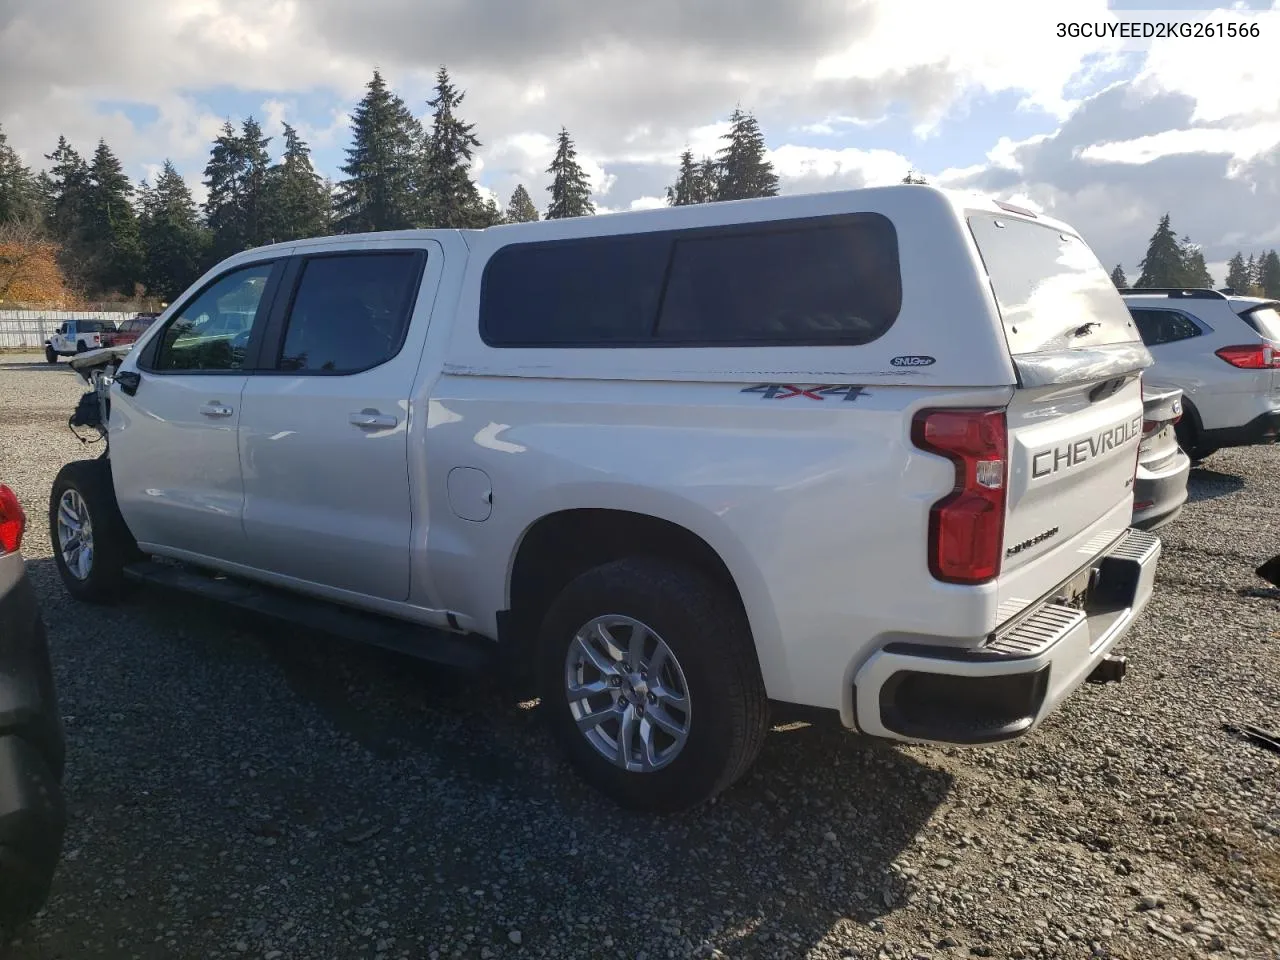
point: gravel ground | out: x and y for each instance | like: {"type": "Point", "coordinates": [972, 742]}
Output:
{"type": "Point", "coordinates": [241, 790]}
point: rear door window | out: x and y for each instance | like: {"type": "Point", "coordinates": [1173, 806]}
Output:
{"type": "Point", "coordinates": [1049, 285]}
{"type": "Point", "coordinates": [1165, 326]}
{"type": "Point", "coordinates": [350, 312]}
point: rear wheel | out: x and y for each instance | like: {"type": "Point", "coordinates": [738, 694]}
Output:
{"type": "Point", "coordinates": [81, 347]}
{"type": "Point", "coordinates": [1190, 442]}
{"type": "Point", "coordinates": [91, 544]}
{"type": "Point", "coordinates": [650, 682]}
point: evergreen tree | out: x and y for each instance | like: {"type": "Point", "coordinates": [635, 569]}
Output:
{"type": "Point", "coordinates": [682, 193]}
{"type": "Point", "coordinates": [1237, 273]}
{"type": "Point", "coordinates": [111, 227]}
{"type": "Point", "coordinates": [489, 214]}
{"type": "Point", "coordinates": [521, 209]}
{"type": "Point", "coordinates": [570, 190]}
{"type": "Point", "coordinates": [1251, 273]}
{"type": "Point", "coordinates": [449, 197]}
{"type": "Point", "coordinates": [1163, 265]}
{"type": "Point", "coordinates": [1269, 275]}
{"type": "Point", "coordinates": [912, 178]}
{"type": "Point", "coordinates": [174, 241]}
{"type": "Point", "coordinates": [236, 176]}
{"type": "Point", "coordinates": [1195, 273]}
{"type": "Point", "coordinates": [695, 182]}
{"type": "Point", "coordinates": [256, 163]}
{"type": "Point", "coordinates": [378, 193]}
{"type": "Point", "coordinates": [19, 199]}
{"type": "Point", "coordinates": [708, 180]}
{"type": "Point", "coordinates": [65, 188]}
{"type": "Point", "coordinates": [297, 205]}
{"type": "Point", "coordinates": [744, 170]}
{"type": "Point", "coordinates": [1119, 279]}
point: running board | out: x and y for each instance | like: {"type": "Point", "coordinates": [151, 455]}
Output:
{"type": "Point", "coordinates": [463, 651]}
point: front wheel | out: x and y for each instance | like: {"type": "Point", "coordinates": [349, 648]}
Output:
{"type": "Point", "coordinates": [651, 685]}
{"type": "Point", "coordinates": [91, 544]}
{"type": "Point", "coordinates": [50, 355]}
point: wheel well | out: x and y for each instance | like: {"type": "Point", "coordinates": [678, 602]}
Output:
{"type": "Point", "coordinates": [561, 546]}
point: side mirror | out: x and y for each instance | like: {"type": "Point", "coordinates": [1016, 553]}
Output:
{"type": "Point", "coordinates": [129, 381]}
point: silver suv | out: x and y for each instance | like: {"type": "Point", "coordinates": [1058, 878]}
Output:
{"type": "Point", "coordinates": [1223, 352]}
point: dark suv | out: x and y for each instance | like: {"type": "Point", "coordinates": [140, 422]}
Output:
{"type": "Point", "coordinates": [32, 815]}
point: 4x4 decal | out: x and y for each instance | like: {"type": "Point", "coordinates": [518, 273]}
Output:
{"type": "Point", "coordinates": [785, 391]}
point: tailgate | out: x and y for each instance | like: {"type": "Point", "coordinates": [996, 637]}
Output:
{"type": "Point", "coordinates": [1075, 420]}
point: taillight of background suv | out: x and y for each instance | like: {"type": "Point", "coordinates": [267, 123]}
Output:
{"type": "Point", "coordinates": [1255, 356]}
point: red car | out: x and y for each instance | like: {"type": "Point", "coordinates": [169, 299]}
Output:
{"type": "Point", "coordinates": [129, 331]}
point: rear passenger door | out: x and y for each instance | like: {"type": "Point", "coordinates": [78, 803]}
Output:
{"type": "Point", "coordinates": [1182, 351]}
{"type": "Point", "coordinates": [324, 424]}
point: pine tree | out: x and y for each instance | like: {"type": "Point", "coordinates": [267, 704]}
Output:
{"type": "Point", "coordinates": [174, 241]}
{"type": "Point", "coordinates": [1237, 273]}
{"type": "Point", "coordinates": [111, 226]}
{"type": "Point", "coordinates": [1251, 274]}
{"type": "Point", "coordinates": [256, 163]}
{"type": "Point", "coordinates": [1119, 279]}
{"type": "Point", "coordinates": [744, 171]}
{"type": "Point", "coordinates": [682, 193]}
{"type": "Point", "coordinates": [19, 199]}
{"type": "Point", "coordinates": [570, 190]}
{"type": "Point", "coordinates": [236, 176]}
{"type": "Point", "coordinates": [449, 197]}
{"type": "Point", "coordinates": [521, 209]}
{"type": "Point", "coordinates": [297, 205]}
{"type": "Point", "coordinates": [378, 193]}
{"type": "Point", "coordinates": [1194, 271]}
{"type": "Point", "coordinates": [708, 180]}
{"type": "Point", "coordinates": [65, 187]}
{"type": "Point", "coordinates": [1269, 275]}
{"type": "Point", "coordinates": [695, 182]}
{"type": "Point", "coordinates": [1163, 265]}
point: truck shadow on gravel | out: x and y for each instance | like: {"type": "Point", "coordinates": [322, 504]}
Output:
{"type": "Point", "coordinates": [1206, 483]}
{"type": "Point", "coordinates": [351, 769]}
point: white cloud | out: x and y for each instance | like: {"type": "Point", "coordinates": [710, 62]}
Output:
{"type": "Point", "coordinates": [1242, 144]}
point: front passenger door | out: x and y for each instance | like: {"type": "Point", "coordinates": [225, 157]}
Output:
{"type": "Point", "coordinates": [174, 450]}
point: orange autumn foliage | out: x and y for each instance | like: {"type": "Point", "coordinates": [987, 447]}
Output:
{"type": "Point", "coordinates": [29, 271]}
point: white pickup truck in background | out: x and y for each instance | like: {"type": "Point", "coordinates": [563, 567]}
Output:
{"type": "Point", "coordinates": [869, 452]}
{"type": "Point", "coordinates": [76, 336]}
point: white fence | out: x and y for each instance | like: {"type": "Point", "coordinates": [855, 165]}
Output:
{"type": "Point", "coordinates": [31, 328]}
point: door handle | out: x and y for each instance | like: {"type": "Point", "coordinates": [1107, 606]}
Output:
{"type": "Point", "coordinates": [216, 409]}
{"type": "Point", "coordinates": [372, 418]}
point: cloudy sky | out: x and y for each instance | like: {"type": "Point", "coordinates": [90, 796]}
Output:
{"type": "Point", "coordinates": [981, 94]}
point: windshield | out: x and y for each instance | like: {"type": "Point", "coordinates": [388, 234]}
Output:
{"type": "Point", "coordinates": [1052, 291]}
{"type": "Point", "coordinates": [1266, 320]}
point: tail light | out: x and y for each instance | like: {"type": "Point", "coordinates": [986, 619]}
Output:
{"type": "Point", "coordinates": [13, 522]}
{"type": "Point", "coordinates": [1255, 356]}
{"type": "Point", "coordinates": [966, 527]}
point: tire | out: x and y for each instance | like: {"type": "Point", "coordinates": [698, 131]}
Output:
{"type": "Point", "coordinates": [49, 355]}
{"type": "Point", "coordinates": [84, 487]}
{"type": "Point", "coordinates": [709, 642]}
{"type": "Point", "coordinates": [81, 347]}
{"type": "Point", "coordinates": [1189, 440]}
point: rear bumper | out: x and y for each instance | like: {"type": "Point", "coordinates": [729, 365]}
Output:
{"type": "Point", "coordinates": [1264, 428]}
{"type": "Point", "coordinates": [32, 814]}
{"type": "Point", "coordinates": [1158, 495]}
{"type": "Point", "coordinates": [1003, 690]}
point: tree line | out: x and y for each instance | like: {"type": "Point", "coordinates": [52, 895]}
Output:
{"type": "Point", "coordinates": [1179, 263]}
{"type": "Point", "coordinates": [82, 228]}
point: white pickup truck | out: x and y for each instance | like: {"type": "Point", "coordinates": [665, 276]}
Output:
{"type": "Point", "coordinates": [869, 452]}
{"type": "Point", "coordinates": [77, 336]}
